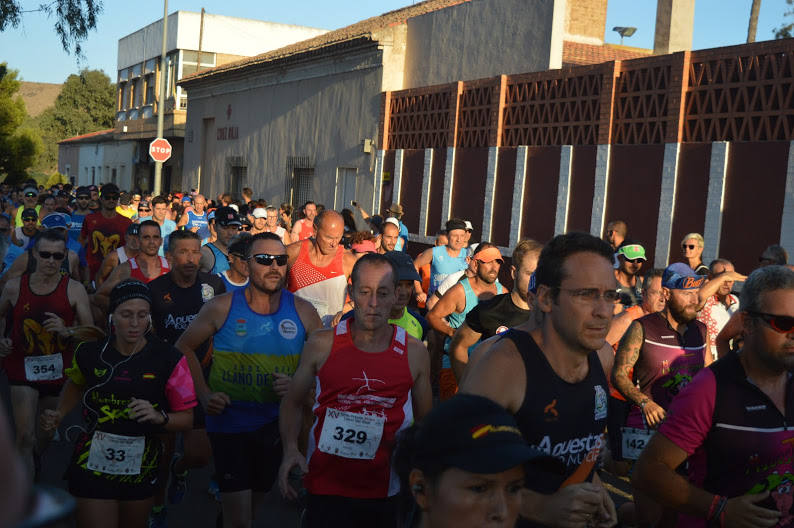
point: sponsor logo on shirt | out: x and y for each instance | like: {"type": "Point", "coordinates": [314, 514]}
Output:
{"type": "Point", "coordinates": [148, 376]}
{"type": "Point", "coordinates": [751, 408]}
{"type": "Point", "coordinates": [180, 322]}
{"type": "Point", "coordinates": [241, 328]}
{"type": "Point", "coordinates": [207, 292]}
{"type": "Point", "coordinates": [600, 411]}
{"type": "Point", "coordinates": [288, 329]}
{"type": "Point", "coordinates": [668, 337]}
{"type": "Point", "coordinates": [573, 451]}
{"type": "Point", "coordinates": [501, 330]}
{"type": "Point", "coordinates": [550, 411]}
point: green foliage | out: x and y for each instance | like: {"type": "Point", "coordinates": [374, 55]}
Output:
{"type": "Point", "coordinates": [87, 103]}
{"type": "Point", "coordinates": [18, 146]}
{"type": "Point", "coordinates": [786, 30]}
{"type": "Point", "coordinates": [73, 19]}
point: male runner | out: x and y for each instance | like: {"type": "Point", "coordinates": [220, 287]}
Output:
{"type": "Point", "coordinates": [390, 235]}
{"type": "Point", "coordinates": [103, 231]}
{"type": "Point", "coordinates": [81, 210]}
{"type": "Point", "coordinates": [319, 267]}
{"type": "Point", "coordinates": [717, 303]}
{"type": "Point", "coordinates": [443, 260]}
{"type": "Point", "coordinates": [145, 267]}
{"type": "Point", "coordinates": [160, 215]}
{"type": "Point", "coordinates": [553, 381]}
{"type": "Point", "coordinates": [258, 334]}
{"type": "Point", "coordinates": [656, 358]}
{"type": "Point", "coordinates": [259, 215]}
{"type": "Point", "coordinates": [503, 311]}
{"type": "Point", "coordinates": [214, 254]}
{"type": "Point", "coordinates": [304, 228]}
{"type": "Point", "coordinates": [122, 254]}
{"type": "Point", "coordinates": [195, 218]}
{"type": "Point", "coordinates": [371, 380]}
{"type": "Point", "coordinates": [22, 235]}
{"type": "Point", "coordinates": [272, 225]}
{"type": "Point", "coordinates": [236, 277]}
{"type": "Point", "coordinates": [41, 305]}
{"type": "Point", "coordinates": [733, 423]}
{"type": "Point", "coordinates": [630, 260]}
{"type": "Point", "coordinates": [177, 298]}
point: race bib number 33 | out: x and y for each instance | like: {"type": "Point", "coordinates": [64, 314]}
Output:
{"type": "Point", "coordinates": [116, 454]}
{"type": "Point", "coordinates": [44, 368]}
{"type": "Point", "coordinates": [351, 435]}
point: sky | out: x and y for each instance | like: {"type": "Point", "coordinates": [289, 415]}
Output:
{"type": "Point", "coordinates": [34, 49]}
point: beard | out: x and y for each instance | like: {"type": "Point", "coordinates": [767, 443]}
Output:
{"type": "Point", "coordinates": [262, 286]}
{"type": "Point", "coordinates": [683, 313]}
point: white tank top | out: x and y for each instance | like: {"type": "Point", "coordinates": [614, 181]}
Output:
{"type": "Point", "coordinates": [122, 255]}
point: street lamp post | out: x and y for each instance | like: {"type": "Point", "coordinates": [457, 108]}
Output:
{"type": "Point", "coordinates": [158, 165]}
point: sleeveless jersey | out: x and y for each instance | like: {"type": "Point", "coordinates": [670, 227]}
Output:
{"type": "Point", "coordinates": [324, 287]}
{"type": "Point", "coordinates": [442, 265]}
{"type": "Point", "coordinates": [376, 386]}
{"type": "Point", "coordinates": [456, 319]}
{"type": "Point", "coordinates": [122, 255]}
{"type": "Point", "coordinates": [562, 419]}
{"type": "Point", "coordinates": [22, 237]}
{"type": "Point", "coordinates": [200, 221]}
{"type": "Point", "coordinates": [247, 350]}
{"type": "Point", "coordinates": [30, 340]}
{"type": "Point", "coordinates": [221, 260]}
{"type": "Point", "coordinates": [306, 229]}
{"type": "Point", "coordinates": [667, 361]}
{"type": "Point", "coordinates": [232, 286]}
{"type": "Point", "coordinates": [77, 226]}
{"type": "Point", "coordinates": [137, 273]}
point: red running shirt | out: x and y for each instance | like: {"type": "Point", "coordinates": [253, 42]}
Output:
{"type": "Point", "coordinates": [360, 397]}
{"type": "Point", "coordinates": [136, 273]}
{"type": "Point", "coordinates": [29, 338]}
{"type": "Point", "coordinates": [102, 236]}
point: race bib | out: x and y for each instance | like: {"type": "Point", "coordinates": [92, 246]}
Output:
{"type": "Point", "coordinates": [633, 441]}
{"type": "Point", "coordinates": [116, 454]}
{"type": "Point", "coordinates": [351, 435]}
{"type": "Point", "coordinates": [44, 368]}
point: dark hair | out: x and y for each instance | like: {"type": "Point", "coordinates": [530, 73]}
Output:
{"type": "Point", "coordinates": [724, 262]}
{"type": "Point", "coordinates": [403, 461]}
{"type": "Point", "coordinates": [267, 235]}
{"type": "Point", "coordinates": [524, 248]}
{"type": "Point", "coordinates": [374, 259]}
{"type": "Point", "coordinates": [240, 243]}
{"type": "Point", "coordinates": [150, 223]}
{"type": "Point", "coordinates": [247, 191]}
{"type": "Point", "coordinates": [350, 222]}
{"type": "Point", "coordinates": [53, 235]}
{"type": "Point", "coordinates": [762, 280]}
{"type": "Point", "coordinates": [550, 270]}
{"type": "Point", "coordinates": [180, 234]}
{"type": "Point", "coordinates": [649, 276]}
{"type": "Point", "coordinates": [159, 200]}
{"type": "Point", "coordinates": [482, 246]}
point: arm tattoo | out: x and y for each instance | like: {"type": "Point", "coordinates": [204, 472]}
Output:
{"type": "Point", "coordinates": [626, 357]}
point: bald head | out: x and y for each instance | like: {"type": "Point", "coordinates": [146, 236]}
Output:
{"type": "Point", "coordinates": [328, 218]}
{"type": "Point", "coordinates": [330, 227]}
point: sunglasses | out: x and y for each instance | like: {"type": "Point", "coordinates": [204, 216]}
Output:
{"type": "Point", "coordinates": [635, 261]}
{"type": "Point", "coordinates": [265, 259]}
{"type": "Point", "coordinates": [779, 323]}
{"type": "Point", "coordinates": [30, 219]}
{"type": "Point", "coordinates": [84, 197]}
{"type": "Point", "coordinates": [30, 195]}
{"type": "Point", "coordinates": [46, 255]}
{"type": "Point", "coordinates": [245, 228]}
{"type": "Point", "coordinates": [142, 210]}
{"type": "Point", "coordinates": [688, 246]}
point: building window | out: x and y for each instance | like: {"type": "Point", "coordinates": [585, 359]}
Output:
{"type": "Point", "coordinates": [238, 174]}
{"type": "Point", "coordinates": [148, 89]}
{"type": "Point", "coordinates": [190, 61]}
{"type": "Point", "coordinates": [300, 174]}
{"type": "Point", "coordinates": [122, 93]}
{"type": "Point", "coordinates": [93, 175]}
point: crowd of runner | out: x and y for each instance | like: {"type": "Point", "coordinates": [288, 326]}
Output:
{"type": "Point", "coordinates": [310, 351]}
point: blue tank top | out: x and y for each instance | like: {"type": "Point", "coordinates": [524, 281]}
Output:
{"type": "Point", "coordinates": [200, 221]}
{"type": "Point", "coordinates": [456, 319]}
{"type": "Point", "coordinates": [77, 226]}
{"type": "Point", "coordinates": [247, 350]}
{"type": "Point", "coordinates": [221, 261]}
{"type": "Point", "coordinates": [230, 286]}
{"type": "Point", "coordinates": [443, 265]}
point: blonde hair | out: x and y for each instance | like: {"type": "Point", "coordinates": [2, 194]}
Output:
{"type": "Point", "coordinates": [696, 236]}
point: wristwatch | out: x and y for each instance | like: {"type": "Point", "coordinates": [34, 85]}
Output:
{"type": "Point", "coordinates": [644, 402]}
{"type": "Point", "coordinates": [165, 417]}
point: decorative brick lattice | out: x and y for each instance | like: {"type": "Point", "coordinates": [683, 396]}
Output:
{"type": "Point", "coordinates": [421, 118]}
{"type": "Point", "coordinates": [560, 107]}
{"type": "Point", "coordinates": [476, 113]}
{"type": "Point", "coordinates": [741, 93]}
{"type": "Point", "coordinates": [641, 101]}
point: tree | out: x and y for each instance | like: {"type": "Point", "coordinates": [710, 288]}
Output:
{"type": "Point", "coordinates": [18, 146]}
{"type": "Point", "coordinates": [787, 30]}
{"type": "Point", "coordinates": [752, 27]}
{"type": "Point", "coordinates": [73, 18]}
{"type": "Point", "coordinates": [87, 103]}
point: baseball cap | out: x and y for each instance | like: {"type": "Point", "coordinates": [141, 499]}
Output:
{"type": "Point", "coordinates": [405, 266]}
{"type": "Point", "coordinates": [144, 204]}
{"type": "Point", "coordinates": [469, 227]}
{"type": "Point", "coordinates": [134, 229]}
{"type": "Point", "coordinates": [488, 254]}
{"type": "Point", "coordinates": [259, 212]}
{"type": "Point", "coordinates": [395, 208]}
{"type": "Point", "coordinates": [27, 190]}
{"type": "Point", "coordinates": [393, 221]}
{"type": "Point", "coordinates": [186, 199]}
{"type": "Point", "coordinates": [632, 251]}
{"type": "Point", "coordinates": [82, 191]}
{"type": "Point", "coordinates": [455, 223]}
{"type": "Point", "coordinates": [475, 434]}
{"type": "Point", "coordinates": [29, 212]}
{"type": "Point", "coordinates": [679, 276]}
{"type": "Point", "coordinates": [55, 220]}
{"type": "Point", "coordinates": [109, 188]}
{"type": "Point", "coordinates": [227, 216]}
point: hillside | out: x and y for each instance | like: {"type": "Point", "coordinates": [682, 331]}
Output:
{"type": "Point", "coordinates": [38, 96]}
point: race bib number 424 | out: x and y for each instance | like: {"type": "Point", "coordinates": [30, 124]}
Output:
{"type": "Point", "coordinates": [633, 441]}
{"type": "Point", "coordinates": [116, 454]}
{"type": "Point", "coordinates": [44, 368]}
{"type": "Point", "coordinates": [351, 435]}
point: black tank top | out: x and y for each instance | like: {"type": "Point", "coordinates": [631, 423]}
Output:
{"type": "Point", "coordinates": [566, 420]}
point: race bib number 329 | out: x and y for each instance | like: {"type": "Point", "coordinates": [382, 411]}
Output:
{"type": "Point", "coordinates": [116, 454]}
{"type": "Point", "coordinates": [351, 435]}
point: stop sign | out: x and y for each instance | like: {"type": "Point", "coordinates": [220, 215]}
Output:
{"type": "Point", "coordinates": [160, 150]}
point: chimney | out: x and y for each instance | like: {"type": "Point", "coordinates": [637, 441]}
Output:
{"type": "Point", "coordinates": [585, 21]}
{"type": "Point", "coordinates": [675, 20]}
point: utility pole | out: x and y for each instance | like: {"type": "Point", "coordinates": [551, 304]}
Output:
{"type": "Point", "coordinates": [158, 166]}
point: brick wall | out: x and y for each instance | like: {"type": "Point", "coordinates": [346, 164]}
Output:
{"type": "Point", "coordinates": [586, 18]}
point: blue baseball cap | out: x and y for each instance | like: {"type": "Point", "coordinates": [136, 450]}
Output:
{"type": "Point", "coordinates": [55, 220]}
{"type": "Point", "coordinates": [679, 276]}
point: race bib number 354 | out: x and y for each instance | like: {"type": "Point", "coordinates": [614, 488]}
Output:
{"type": "Point", "coordinates": [351, 435]}
{"type": "Point", "coordinates": [44, 368]}
{"type": "Point", "coordinates": [116, 454]}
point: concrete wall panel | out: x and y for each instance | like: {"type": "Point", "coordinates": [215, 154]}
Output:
{"type": "Point", "coordinates": [468, 188]}
{"type": "Point", "coordinates": [434, 221]}
{"type": "Point", "coordinates": [635, 184]}
{"type": "Point", "coordinates": [410, 197]}
{"type": "Point", "coordinates": [503, 197]}
{"type": "Point", "coordinates": [580, 207]}
{"type": "Point", "coordinates": [689, 214]}
{"type": "Point", "coordinates": [388, 180]}
{"type": "Point", "coordinates": [540, 196]}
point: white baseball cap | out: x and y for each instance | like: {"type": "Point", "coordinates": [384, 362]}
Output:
{"type": "Point", "coordinates": [392, 220]}
{"type": "Point", "coordinates": [469, 227]}
{"type": "Point", "coordinates": [259, 212]}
